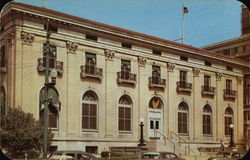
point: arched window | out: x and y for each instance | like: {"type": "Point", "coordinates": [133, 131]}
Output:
{"type": "Point", "coordinates": [228, 120]}
{"type": "Point", "coordinates": [183, 118]}
{"type": "Point", "coordinates": [125, 113]}
{"type": "Point", "coordinates": [53, 97]}
{"type": "Point", "coordinates": [89, 110]}
{"type": "Point", "coordinates": [2, 101]}
{"type": "Point", "coordinates": [207, 119]}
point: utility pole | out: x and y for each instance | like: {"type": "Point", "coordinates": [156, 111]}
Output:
{"type": "Point", "coordinates": [46, 87]}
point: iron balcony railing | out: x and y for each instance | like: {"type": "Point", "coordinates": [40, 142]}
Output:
{"type": "Point", "coordinates": [184, 86]}
{"type": "Point", "coordinates": [91, 71]}
{"type": "Point", "coordinates": [126, 77]}
{"type": "Point", "coordinates": [229, 93]}
{"type": "Point", "coordinates": [156, 81]}
{"type": "Point", "coordinates": [208, 90]}
{"type": "Point", "coordinates": [3, 65]}
{"type": "Point", "coordinates": [55, 65]}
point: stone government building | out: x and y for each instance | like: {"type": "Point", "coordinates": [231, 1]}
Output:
{"type": "Point", "coordinates": [110, 78]}
{"type": "Point", "coordinates": [239, 47]}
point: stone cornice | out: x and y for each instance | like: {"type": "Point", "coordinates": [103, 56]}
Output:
{"type": "Point", "coordinates": [114, 31]}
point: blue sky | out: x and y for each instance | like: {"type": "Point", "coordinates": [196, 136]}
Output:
{"type": "Point", "coordinates": [208, 21]}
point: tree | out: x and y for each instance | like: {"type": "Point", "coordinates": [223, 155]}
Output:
{"type": "Point", "coordinates": [21, 134]}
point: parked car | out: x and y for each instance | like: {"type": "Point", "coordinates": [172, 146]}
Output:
{"type": "Point", "coordinates": [161, 155]}
{"type": "Point", "coordinates": [71, 155]}
{"type": "Point", "coordinates": [227, 155]}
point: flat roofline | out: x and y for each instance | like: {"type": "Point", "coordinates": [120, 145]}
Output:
{"type": "Point", "coordinates": [188, 48]}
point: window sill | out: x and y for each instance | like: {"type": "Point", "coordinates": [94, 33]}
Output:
{"type": "Point", "coordinates": [207, 135]}
{"type": "Point", "coordinates": [125, 132]}
{"type": "Point", "coordinates": [89, 130]}
{"type": "Point", "coordinates": [183, 134]}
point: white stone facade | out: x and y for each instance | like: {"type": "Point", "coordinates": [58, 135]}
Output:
{"type": "Point", "coordinates": [24, 36]}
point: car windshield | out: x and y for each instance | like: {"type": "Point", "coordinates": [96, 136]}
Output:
{"type": "Point", "coordinates": [56, 156]}
{"type": "Point", "coordinates": [223, 154]}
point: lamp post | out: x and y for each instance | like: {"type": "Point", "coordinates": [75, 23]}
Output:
{"type": "Point", "coordinates": [141, 140]}
{"type": "Point", "coordinates": [231, 143]}
{"type": "Point", "coordinates": [47, 85]}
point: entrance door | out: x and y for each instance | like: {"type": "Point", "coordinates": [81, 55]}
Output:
{"type": "Point", "coordinates": [154, 126]}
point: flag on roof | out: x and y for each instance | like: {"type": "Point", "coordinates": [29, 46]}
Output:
{"type": "Point", "coordinates": [185, 10]}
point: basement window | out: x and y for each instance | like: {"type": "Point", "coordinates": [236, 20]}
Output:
{"type": "Point", "coordinates": [157, 52]}
{"type": "Point", "coordinates": [91, 37]}
{"type": "Point", "coordinates": [126, 45]}
{"type": "Point", "coordinates": [183, 58]}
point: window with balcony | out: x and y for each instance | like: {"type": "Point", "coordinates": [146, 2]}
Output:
{"type": "Point", "coordinates": [125, 113]}
{"type": "Point", "coordinates": [53, 110]}
{"type": "Point", "coordinates": [183, 118]}
{"type": "Point", "coordinates": [182, 85]}
{"type": "Point", "coordinates": [207, 120]}
{"type": "Point", "coordinates": [90, 69]}
{"type": "Point", "coordinates": [52, 59]}
{"type": "Point", "coordinates": [125, 75]}
{"type": "Point", "coordinates": [90, 63]}
{"type": "Point", "coordinates": [156, 80]}
{"type": "Point", "coordinates": [228, 120]}
{"type": "Point", "coordinates": [89, 110]}
{"type": "Point", "coordinates": [207, 90]}
{"type": "Point", "coordinates": [51, 54]}
{"type": "Point", "coordinates": [229, 94]}
{"type": "Point", "coordinates": [2, 100]}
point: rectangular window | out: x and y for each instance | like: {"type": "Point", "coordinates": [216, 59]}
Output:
{"type": "Point", "coordinates": [156, 74]}
{"type": "Point", "coordinates": [208, 63]}
{"type": "Point", "coordinates": [183, 78]}
{"type": "Point", "coordinates": [183, 58]}
{"type": "Point", "coordinates": [52, 55]}
{"type": "Point", "coordinates": [156, 70]}
{"type": "Point", "coordinates": [51, 28]}
{"type": "Point", "coordinates": [2, 57]}
{"type": "Point", "coordinates": [229, 68]}
{"type": "Point", "coordinates": [207, 81]}
{"type": "Point", "coordinates": [89, 117]}
{"type": "Point", "coordinates": [126, 45]}
{"type": "Point", "coordinates": [157, 52]}
{"type": "Point", "coordinates": [228, 84]}
{"type": "Point", "coordinates": [91, 37]}
{"type": "Point", "coordinates": [90, 63]}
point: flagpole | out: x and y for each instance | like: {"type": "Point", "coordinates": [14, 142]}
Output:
{"type": "Point", "coordinates": [182, 36]}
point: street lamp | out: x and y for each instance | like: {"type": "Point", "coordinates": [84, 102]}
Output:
{"type": "Point", "coordinates": [141, 140]}
{"type": "Point", "coordinates": [231, 143]}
